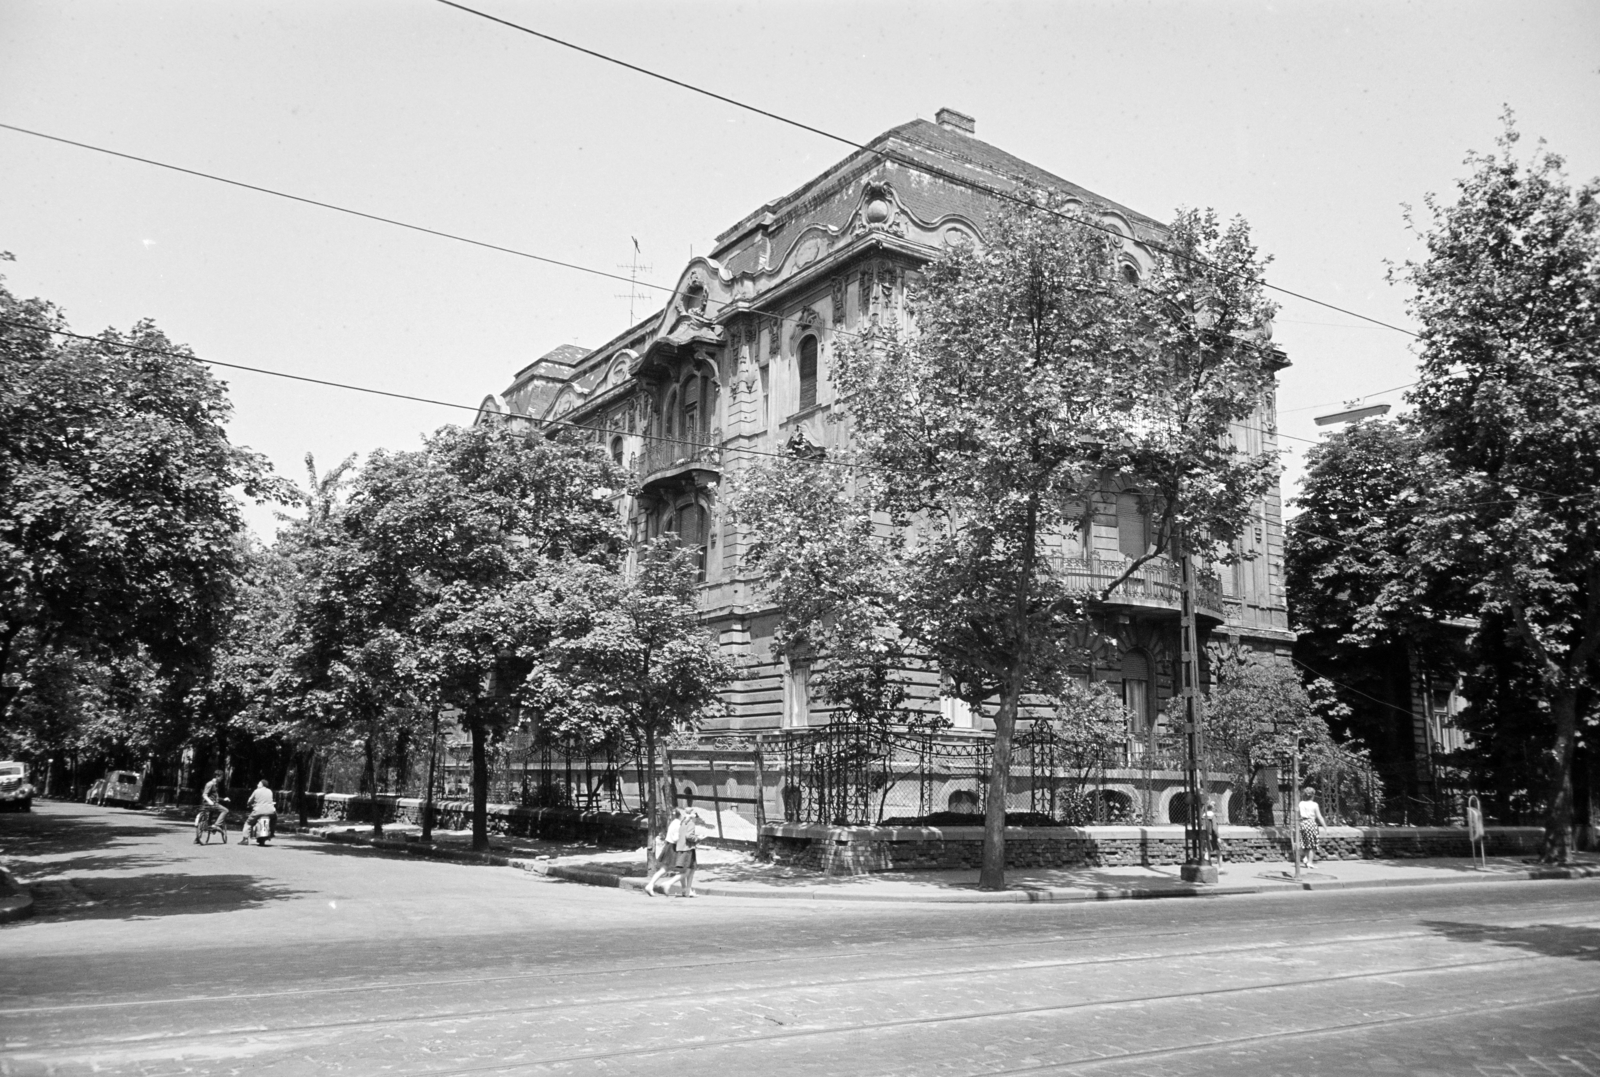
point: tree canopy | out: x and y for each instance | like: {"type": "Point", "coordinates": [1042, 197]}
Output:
{"type": "Point", "coordinates": [1508, 407]}
{"type": "Point", "coordinates": [119, 523]}
{"type": "Point", "coordinates": [1034, 375]}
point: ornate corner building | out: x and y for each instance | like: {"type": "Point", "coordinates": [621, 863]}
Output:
{"type": "Point", "coordinates": [738, 360]}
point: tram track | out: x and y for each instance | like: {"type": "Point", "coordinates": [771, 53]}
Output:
{"type": "Point", "coordinates": [96, 1055]}
{"type": "Point", "coordinates": [875, 948]}
{"type": "Point", "coordinates": [747, 992]}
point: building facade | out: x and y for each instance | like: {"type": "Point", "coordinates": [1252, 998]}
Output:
{"type": "Point", "coordinates": [738, 360]}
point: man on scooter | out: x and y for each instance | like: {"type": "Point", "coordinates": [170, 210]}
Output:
{"type": "Point", "coordinates": [262, 805]}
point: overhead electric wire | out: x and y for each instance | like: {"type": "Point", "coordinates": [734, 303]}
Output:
{"type": "Point", "coordinates": [259, 189]}
{"type": "Point", "coordinates": [885, 154]}
{"type": "Point", "coordinates": [436, 232]}
{"type": "Point", "coordinates": [1348, 688]}
{"type": "Point", "coordinates": [565, 424]}
{"type": "Point", "coordinates": [1333, 403]}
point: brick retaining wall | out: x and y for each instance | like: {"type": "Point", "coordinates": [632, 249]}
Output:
{"type": "Point", "coordinates": [856, 850]}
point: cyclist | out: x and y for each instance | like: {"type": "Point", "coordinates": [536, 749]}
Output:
{"type": "Point", "coordinates": [261, 804]}
{"type": "Point", "coordinates": [212, 808]}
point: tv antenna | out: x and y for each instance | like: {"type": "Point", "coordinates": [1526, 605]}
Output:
{"type": "Point", "coordinates": [634, 269]}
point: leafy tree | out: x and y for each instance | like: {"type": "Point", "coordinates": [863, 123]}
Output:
{"type": "Point", "coordinates": [1088, 722]}
{"type": "Point", "coordinates": [118, 523]}
{"type": "Point", "coordinates": [436, 552]}
{"type": "Point", "coordinates": [1036, 375]}
{"type": "Point", "coordinates": [1254, 719]}
{"type": "Point", "coordinates": [1509, 409]}
{"type": "Point", "coordinates": [1360, 504]}
{"type": "Point", "coordinates": [832, 573]}
{"type": "Point", "coordinates": [623, 660]}
{"type": "Point", "coordinates": [1507, 720]}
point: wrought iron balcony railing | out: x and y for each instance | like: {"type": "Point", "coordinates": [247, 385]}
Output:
{"type": "Point", "coordinates": [700, 449]}
{"type": "Point", "coordinates": [1158, 581]}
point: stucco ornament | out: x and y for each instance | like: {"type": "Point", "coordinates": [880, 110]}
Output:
{"type": "Point", "coordinates": [744, 376]}
{"type": "Point", "coordinates": [880, 210]}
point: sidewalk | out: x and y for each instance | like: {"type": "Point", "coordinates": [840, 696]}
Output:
{"type": "Point", "coordinates": [746, 879]}
{"type": "Point", "coordinates": [726, 872]}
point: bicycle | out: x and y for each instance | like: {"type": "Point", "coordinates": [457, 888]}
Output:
{"type": "Point", "coordinates": [212, 820]}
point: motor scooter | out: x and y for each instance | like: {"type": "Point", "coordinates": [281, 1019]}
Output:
{"type": "Point", "coordinates": [261, 829]}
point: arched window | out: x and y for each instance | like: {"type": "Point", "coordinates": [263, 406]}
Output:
{"type": "Point", "coordinates": [808, 373]}
{"type": "Point", "coordinates": [1130, 273]}
{"type": "Point", "coordinates": [670, 414]}
{"type": "Point", "coordinates": [616, 451]}
{"type": "Point", "coordinates": [1136, 690]}
{"type": "Point", "coordinates": [1133, 525]}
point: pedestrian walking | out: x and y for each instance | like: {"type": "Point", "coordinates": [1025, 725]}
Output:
{"type": "Point", "coordinates": [1311, 824]}
{"type": "Point", "coordinates": [1208, 827]}
{"type": "Point", "coordinates": [688, 836]}
{"type": "Point", "coordinates": [666, 850]}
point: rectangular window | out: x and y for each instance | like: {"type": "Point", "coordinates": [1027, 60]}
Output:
{"type": "Point", "coordinates": [958, 712]}
{"type": "Point", "coordinates": [766, 394]}
{"type": "Point", "coordinates": [797, 695]}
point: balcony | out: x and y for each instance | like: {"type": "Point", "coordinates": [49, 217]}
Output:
{"type": "Point", "coordinates": [1156, 584]}
{"type": "Point", "coordinates": [664, 458]}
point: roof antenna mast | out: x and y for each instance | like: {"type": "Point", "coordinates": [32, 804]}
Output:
{"type": "Point", "coordinates": [634, 269]}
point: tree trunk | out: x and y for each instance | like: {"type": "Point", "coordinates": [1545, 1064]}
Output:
{"type": "Point", "coordinates": [992, 874]}
{"type": "Point", "coordinates": [650, 799]}
{"type": "Point", "coordinates": [427, 796]}
{"type": "Point", "coordinates": [1558, 799]}
{"type": "Point", "coordinates": [480, 784]}
{"type": "Point", "coordinates": [372, 783]}
{"type": "Point", "coordinates": [301, 765]}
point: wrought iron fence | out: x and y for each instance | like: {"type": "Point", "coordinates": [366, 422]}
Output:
{"type": "Point", "coordinates": [847, 774]}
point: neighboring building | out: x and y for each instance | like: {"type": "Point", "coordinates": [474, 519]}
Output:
{"type": "Point", "coordinates": [738, 360]}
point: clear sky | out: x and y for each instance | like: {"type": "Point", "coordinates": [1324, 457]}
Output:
{"type": "Point", "coordinates": [1316, 122]}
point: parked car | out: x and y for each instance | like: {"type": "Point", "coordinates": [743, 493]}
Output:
{"type": "Point", "coordinates": [16, 793]}
{"type": "Point", "coordinates": [117, 787]}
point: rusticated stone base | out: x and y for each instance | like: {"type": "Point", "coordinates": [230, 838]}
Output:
{"type": "Point", "coordinates": [857, 850]}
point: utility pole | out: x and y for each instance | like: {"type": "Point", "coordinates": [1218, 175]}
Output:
{"type": "Point", "coordinates": [1197, 864]}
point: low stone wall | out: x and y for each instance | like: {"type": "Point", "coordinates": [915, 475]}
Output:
{"type": "Point", "coordinates": [856, 850]}
{"type": "Point", "coordinates": [621, 829]}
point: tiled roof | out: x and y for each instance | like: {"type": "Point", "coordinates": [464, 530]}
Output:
{"type": "Point", "coordinates": [967, 161]}
{"type": "Point", "coordinates": [929, 141]}
{"type": "Point", "coordinates": [565, 354]}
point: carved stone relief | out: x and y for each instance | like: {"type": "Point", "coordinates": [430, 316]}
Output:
{"type": "Point", "coordinates": [838, 300]}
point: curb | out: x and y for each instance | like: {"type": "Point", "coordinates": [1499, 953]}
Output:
{"type": "Point", "coordinates": [16, 901]}
{"type": "Point", "coordinates": [1051, 895]}
{"type": "Point", "coordinates": [417, 849]}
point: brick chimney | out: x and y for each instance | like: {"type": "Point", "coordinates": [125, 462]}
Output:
{"type": "Point", "coordinates": [956, 121]}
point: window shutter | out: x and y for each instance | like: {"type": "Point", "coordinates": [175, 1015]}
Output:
{"type": "Point", "coordinates": [808, 373]}
{"type": "Point", "coordinates": [1132, 525]}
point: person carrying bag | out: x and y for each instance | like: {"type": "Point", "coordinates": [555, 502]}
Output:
{"type": "Point", "coordinates": [666, 853]}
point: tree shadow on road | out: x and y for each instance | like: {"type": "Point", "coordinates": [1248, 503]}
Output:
{"type": "Point", "coordinates": [36, 870]}
{"type": "Point", "coordinates": [134, 897]}
{"type": "Point", "coordinates": [29, 835]}
{"type": "Point", "coordinates": [1551, 940]}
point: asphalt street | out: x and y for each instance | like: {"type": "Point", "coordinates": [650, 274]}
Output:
{"type": "Point", "coordinates": [150, 955]}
